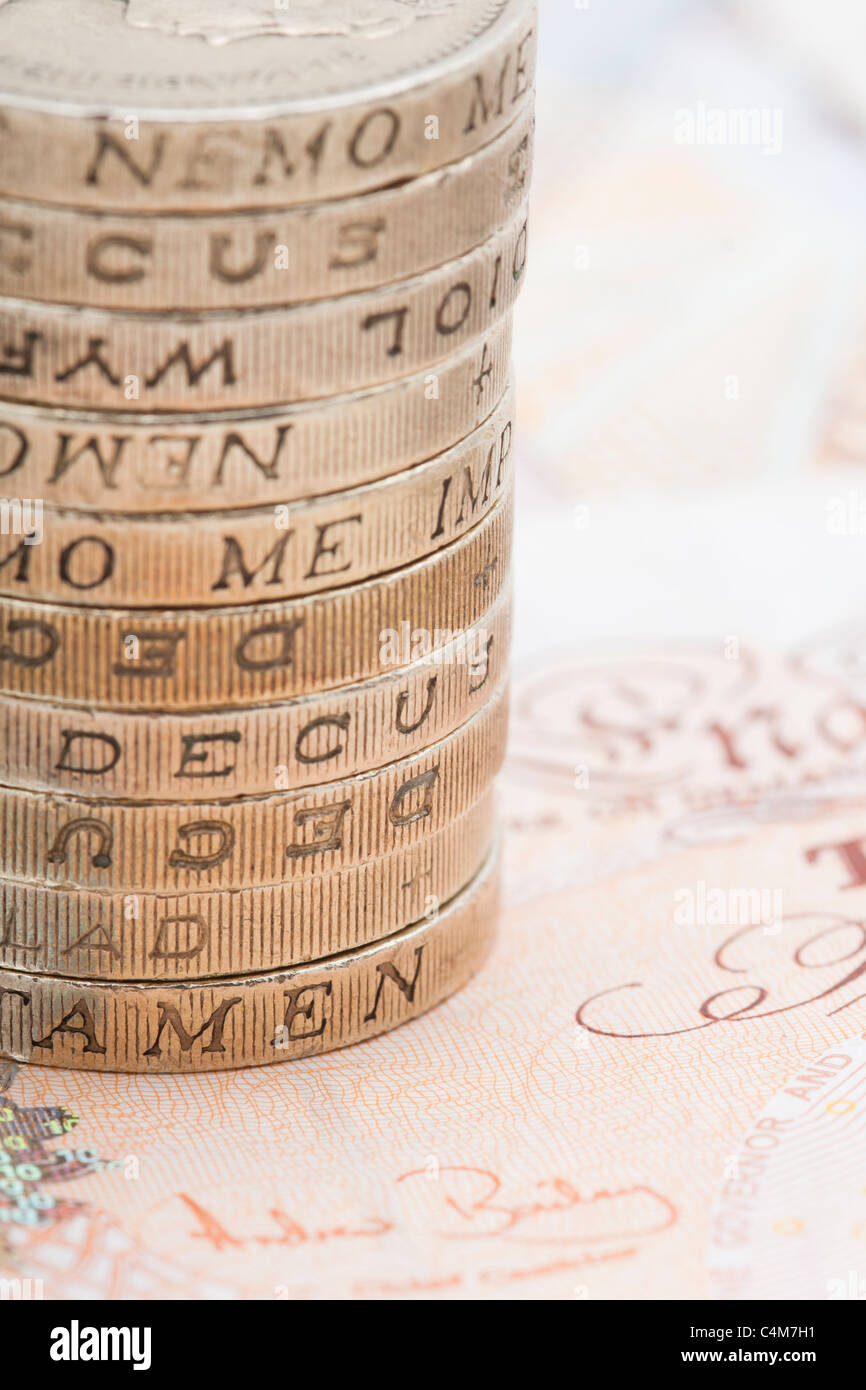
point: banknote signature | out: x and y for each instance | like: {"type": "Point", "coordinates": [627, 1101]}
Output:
{"type": "Point", "coordinates": [472, 1203]}
{"type": "Point", "coordinates": [286, 1229]}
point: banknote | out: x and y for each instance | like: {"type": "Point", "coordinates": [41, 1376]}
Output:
{"type": "Point", "coordinates": [654, 1087]}
{"type": "Point", "coordinates": [578, 1122]}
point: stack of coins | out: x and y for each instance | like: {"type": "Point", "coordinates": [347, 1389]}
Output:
{"type": "Point", "coordinates": [257, 267]}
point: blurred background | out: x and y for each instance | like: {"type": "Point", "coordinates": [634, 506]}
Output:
{"type": "Point", "coordinates": [691, 339]}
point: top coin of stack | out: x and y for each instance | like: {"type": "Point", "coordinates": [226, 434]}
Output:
{"type": "Point", "coordinates": [257, 266]}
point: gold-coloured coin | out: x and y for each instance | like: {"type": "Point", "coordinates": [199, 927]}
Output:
{"type": "Point", "coordinates": [254, 752]}
{"type": "Point", "coordinates": [147, 936]}
{"type": "Point", "coordinates": [150, 362]}
{"type": "Point", "coordinates": [254, 259]}
{"type": "Point", "coordinates": [187, 560]}
{"type": "Point", "coordinates": [241, 103]}
{"type": "Point", "coordinates": [254, 1019]}
{"type": "Point", "coordinates": [171, 847]}
{"type": "Point", "coordinates": [119, 463]}
{"type": "Point", "coordinates": [212, 658]}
